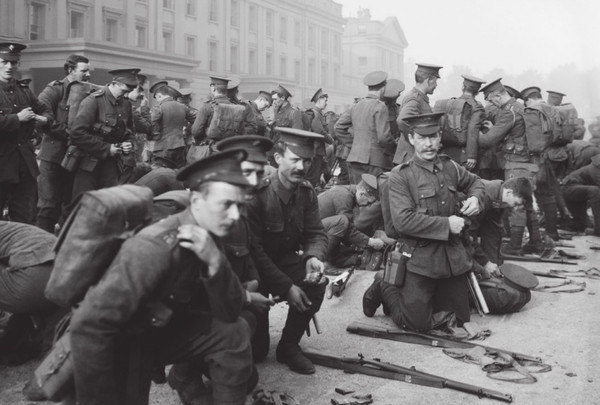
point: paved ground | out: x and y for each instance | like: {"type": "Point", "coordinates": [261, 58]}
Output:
{"type": "Point", "coordinates": [563, 329]}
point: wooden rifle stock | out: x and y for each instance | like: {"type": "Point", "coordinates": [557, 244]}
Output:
{"type": "Point", "coordinates": [410, 375]}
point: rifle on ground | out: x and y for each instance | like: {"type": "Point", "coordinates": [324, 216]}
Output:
{"type": "Point", "coordinates": [535, 259]}
{"type": "Point", "coordinates": [377, 368]}
{"type": "Point", "coordinates": [407, 336]}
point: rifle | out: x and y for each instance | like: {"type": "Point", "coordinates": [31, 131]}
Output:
{"type": "Point", "coordinates": [338, 285]}
{"type": "Point", "coordinates": [407, 336]}
{"type": "Point", "coordinates": [377, 368]}
{"type": "Point", "coordinates": [518, 258]}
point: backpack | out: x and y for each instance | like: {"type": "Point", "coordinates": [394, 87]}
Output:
{"type": "Point", "coordinates": [542, 127]}
{"type": "Point", "coordinates": [91, 237]}
{"type": "Point", "coordinates": [570, 124]}
{"type": "Point", "coordinates": [384, 197]}
{"type": "Point", "coordinates": [455, 124]}
{"type": "Point", "coordinates": [308, 115]}
{"type": "Point", "coordinates": [227, 120]}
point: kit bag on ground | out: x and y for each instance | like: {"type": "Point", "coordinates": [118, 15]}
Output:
{"type": "Point", "coordinates": [456, 121]}
{"type": "Point", "coordinates": [91, 237]}
{"type": "Point", "coordinates": [227, 120]}
{"type": "Point", "coordinates": [542, 127]}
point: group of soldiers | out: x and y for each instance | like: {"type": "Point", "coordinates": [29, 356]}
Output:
{"type": "Point", "coordinates": [260, 221]}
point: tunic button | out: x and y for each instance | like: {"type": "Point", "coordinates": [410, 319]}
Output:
{"type": "Point", "coordinates": [287, 238]}
{"type": "Point", "coordinates": [237, 253]}
{"type": "Point", "coordinates": [153, 320]}
{"type": "Point", "coordinates": [172, 296]}
{"type": "Point", "coordinates": [14, 105]}
{"type": "Point", "coordinates": [443, 202]}
{"type": "Point", "coordinates": [441, 185]}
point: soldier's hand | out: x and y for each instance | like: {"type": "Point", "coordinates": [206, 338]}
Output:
{"type": "Point", "coordinates": [251, 286]}
{"type": "Point", "coordinates": [297, 299]}
{"type": "Point", "coordinates": [199, 241]}
{"type": "Point", "coordinates": [470, 207]}
{"type": "Point", "coordinates": [114, 150]}
{"type": "Point", "coordinates": [456, 224]}
{"type": "Point", "coordinates": [26, 115]}
{"type": "Point", "coordinates": [487, 124]}
{"type": "Point", "coordinates": [314, 265]}
{"type": "Point", "coordinates": [492, 269]}
{"type": "Point", "coordinates": [260, 302]}
{"type": "Point", "coordinates": [126, 147]}
{"type": "Point", "coordinates": [470, 164]}
{"type": "Point", "coordinates": [376, 243]}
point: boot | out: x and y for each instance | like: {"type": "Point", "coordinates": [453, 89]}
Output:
{"type": "Point", "coordinates": [188, 383]}
{"type": "Point", "coordinates": [288, 351]}
{"type": "Point", "coordinates": [372, 298]}
{"type": "Point", "coordinates": [535, 244]}
{"type": "Point", "coordinates": [550, 212]}
{"type": "Point", "coordinates": [516, 238]}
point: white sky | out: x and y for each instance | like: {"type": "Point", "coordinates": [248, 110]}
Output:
{"type": "Point", "coordinates": [515, 35]}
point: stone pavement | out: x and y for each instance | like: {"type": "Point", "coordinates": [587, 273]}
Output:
{"type": "Point", "coordinates": [561, 328]}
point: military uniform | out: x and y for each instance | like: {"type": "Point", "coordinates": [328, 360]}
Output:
{"type": "Point", "coordinates": [101, 121]}
{"type": "Point", "coordinates": [18, 166]}
{"type": "Point", "coordinates": [415, 102]}
{"type": "Point", "coordinates": [318, 165]}
{"type": "Point", "coordinates": [580, 154]}
{"type": "Point", "coordinates": [580, 188]}
{"type": "Point", "coordinates": [422, 197]}
{"type": "Point", "coordinates": [260, 124]}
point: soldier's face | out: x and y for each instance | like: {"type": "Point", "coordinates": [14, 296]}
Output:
{"type": "Point", "coordinates": [217, 209]}
{"type": "Point", "coordinates": [277, 100]}
{"type": "Point", "coordinates": [511, 199]}
{"type": "Point", "coordinates": [494, 98]}
{"type": "Point", "coordinates": [253, 172]}
{"type": "Point", "coordinates": [426, 147]}
{"type": "Point", "coordinates": [322, 102]}
{"type": "Point", "coordinates": [292, 168]}
{"type": "Point", "coordinates": [8, 69]}
{"type": "Point", "coordinates": [431, 85]}
{"type": "Point", "coordinates": [81, 73]}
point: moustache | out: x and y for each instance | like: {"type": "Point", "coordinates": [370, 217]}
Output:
{"type": "Point", "coordinates": [298, 172]}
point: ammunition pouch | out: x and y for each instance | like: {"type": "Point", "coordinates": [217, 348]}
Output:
{"type": "Point", "coordinates": [105, 131]}
{"type": "Point", "coordinates": [396, 261]}
{"type": "Point", "coordinates": [72, 158]}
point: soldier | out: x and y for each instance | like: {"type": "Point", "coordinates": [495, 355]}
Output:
{"type": "Point", "coordinates": [465, 115]}
{"type": "Point", "coordinates": [284, 114]}
{"type": "Point", "coordinates": [257, 106]}
{"type": "Point", "coordinates": [184, 271]}
{"type": "Point", "coordinates": [393, 89]}
{"type": "Point", "coordinates": [580, 154]}
{"type": "Point", "coordinates": [103, 129]}
{"type": "Point", "coordinates": [168, 119]}
{"type": "Point", "coordinates": [55, 183]}
{"type": "Point", "coordinates": [218, 118]}
{"type": "Point", "coordinates": [186, 99]}
{"type": "Point", "coordinates": [337, 209]}
{"type": "Point", "coordinates": [284, 216]}
{"type": "Point", "coordinates": [507, 134]}
{"type": "Point", "coordinates": [372, 143]}
{"type": "Point", "coordinates": [415, 102]}
{"type": "Point", "coordinates": [580, 188]}
{"type": "Point", "coordinates": [20, 113]}
{"type": "Point", "coordinates": [319, 126]}
{"type": "Point", "coordinates": [423, 205]}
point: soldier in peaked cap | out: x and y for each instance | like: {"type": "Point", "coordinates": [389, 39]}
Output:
{"type": "Point", "coordinates": [257, 106]}
{"type": "Point", "coordinates": [392, 91]}
{"type": "Point", "coordinates": [284, 216]}
{"type": "Point", "coordinates": [372, 145]}
{"type": "Point", "coordinates": [319, 169]}
{"type": "Point", "coordinates": [284, 114]}
{"type": "Point", "coordinates": [464, 117]}
{"type": "Point", "coordinates": [422, 205]}
{"type": "Point", "coordinates": [415, 102]}
{"type": "Point", "coordinates": [555, 98]}
{"type": "Point", "coordinates": [218, 118]}
{"type": "Point", "coordinates": [21, 113]}
{"type": "Point", "coordinates": [507, 133]}
{"type": "Point", "coordinates": [182, 257]}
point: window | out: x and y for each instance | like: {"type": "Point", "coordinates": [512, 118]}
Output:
{"type": "Point", "coordinates": [190, 7]}
{"type": "Point", "coordinates": [269, 63]}
{"type": "Point", "coordinates": [252, 18]}
{"type": "Point", "coordinates": [311, 37]}
{"type": "Point", "coordinates": [140, 36]}
{"type": "Point", "coordinates": [297, 70]}
{"type": "Point", "coordinates": [324, 74]}
{"type": "Point", "coordinates": [297, 34]}
{"type": "Point", "coordinates": [168, 4]}
{"type": "Point", "coordinates": [111, 30]}
{"type": "Point", "coordinates": [213, 12]}
{"type": "Point", "coordinates": [212, 56]}
{"type": "Point", "coordinates": [37, 17]}
{"type": "Point", "coordinates": [324, 41]}
{"type": "Point", "coordinates": [168, 41]}
{"type": "Point", "coordinates": [337, 46]}
{"type": "Point", "coordinates": [311, 71]}
{"type": "Point", "coordinates": [76, 24]}
{"type": "Point", "coordinates": [283, 29]}
{"type": "Point", "coordinates": [269, 24]}
{"type": "Point", "coordinates": [190, 46]}
{"type": "Point", "coordinates": [252, 61]}
{"type": "Point", "coordinates": [283, 66]}
{"type": "Point", "coordinates": [234, 66]}
{"type": "Point", "coordinates": [235, 13]}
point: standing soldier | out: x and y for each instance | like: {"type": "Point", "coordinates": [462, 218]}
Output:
{"type": "Point", "coordinates": [20, 113]}
{"type": "Point", "coordinates": [55, 183]}
{"type": "Point", "coordinates": [464, 118]}
{"type": "Point", "coordinates": [168, 119]}
{"type": "Point", "coordinates": [103, 130]}
{"type": "Point", "coordinates": [392, 91]}
{"type": "Point", "coordinates": [372, 145]}
{"type": "Point", "coordinates": [233, 91]}
{"type": "Point", "coordinates": [186, 99]}
{"type": "Point", "coordinates": [257, 106]}
{"type": "Point", "coordinates": [284, 216]}
{"type": "Point", "coordinates": [319, 126]}
{"type": "Point", "coordinates": [415, 102]}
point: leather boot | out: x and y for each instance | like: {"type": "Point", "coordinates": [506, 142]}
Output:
{"type": "Point", "coordinates": [372, 298]}
{"type": "Point", "coordinates": [550, 212]}
{"type": "Point", "coordinates": [188, 383]}
{"type": "Point", "coordinates": [535, 244]}
{"type": "Point", "coordinates": [516, 239]}
{"type": "Point", "coordinates": [288, 351]}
